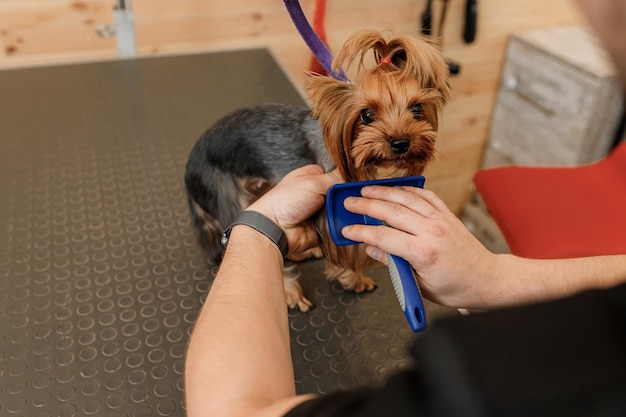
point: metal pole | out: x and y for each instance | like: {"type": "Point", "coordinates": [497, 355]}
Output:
{"type": "Point", "coordinates": [125, 28]}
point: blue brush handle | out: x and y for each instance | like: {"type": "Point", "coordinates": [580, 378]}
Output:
{"type": "Point", "coordinates": [400, 271]}
{"type": "Point", "coordinates": [407, 292]}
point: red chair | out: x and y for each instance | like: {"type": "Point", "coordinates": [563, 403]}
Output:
{"type": "Point", "coordinates": [559, 212]}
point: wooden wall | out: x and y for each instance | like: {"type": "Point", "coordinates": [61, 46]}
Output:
{"type": "Point", "coordinates": [34, 32]}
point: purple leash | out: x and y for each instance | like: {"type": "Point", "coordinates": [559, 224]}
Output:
{"type": "Point", "coordinates": [315, 44]}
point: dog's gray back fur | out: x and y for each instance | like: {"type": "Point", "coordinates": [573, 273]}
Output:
{"type": "Point", "coordinates": [264, 142]}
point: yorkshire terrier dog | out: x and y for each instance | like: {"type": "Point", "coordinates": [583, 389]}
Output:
{"type": "Point", "coordinates": [382, 124]}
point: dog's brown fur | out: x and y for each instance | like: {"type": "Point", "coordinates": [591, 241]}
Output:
{"type": "Point", "coordinates": [416, 73]}
{"type": "Point", "coordinates": [401, 90]}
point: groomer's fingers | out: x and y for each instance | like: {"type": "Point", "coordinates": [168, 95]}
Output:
{"type": "Point", "coordinates": [429, 196]}
{"type": "Point", "coordinates": [424, 202]}
{"type": "Point", "coordinates": [376, 254]}
{"type": "Point", "coordinates": [394, 214]}
{"type": "Point", "coordinates": [314, 178]}
{"type": "Point", "coordinates": [386, 239]}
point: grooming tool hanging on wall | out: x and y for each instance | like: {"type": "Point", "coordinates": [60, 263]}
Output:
{"type": "Point", "coordinates": [471, 20]}
{"type": "Point", "coordinates": [469, 26]}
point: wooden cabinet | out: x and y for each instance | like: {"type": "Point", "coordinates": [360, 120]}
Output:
{"type": "Point", "coordinates": [558, 103]}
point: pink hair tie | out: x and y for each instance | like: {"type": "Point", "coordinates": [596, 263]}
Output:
{"type": "Point", "coordinates": [385, 60]}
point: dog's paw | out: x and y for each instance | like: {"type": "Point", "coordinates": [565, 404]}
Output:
{"type": "Point", "coordinates": [293, 290]}
{"type": "Point", "coordinates": [314, 253]}
{"type": "Point", "coordinates": [298, 301]}
{"type": "Point", "coordinates": [349, 280]}
{"type": "Point", "coordinates": [358, 283]}
{"type": "Point", "coordinates": [365, 284]}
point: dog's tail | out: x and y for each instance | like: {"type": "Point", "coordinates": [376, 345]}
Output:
{"type": "Point", "coordinates": [214, 204]}
{"type": "Point", "coordinates": [208, 231]}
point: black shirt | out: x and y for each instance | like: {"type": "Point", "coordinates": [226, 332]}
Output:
{"type": "Point", "coordinates": [561, 358]}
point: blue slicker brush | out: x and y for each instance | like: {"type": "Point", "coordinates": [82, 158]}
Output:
{"type": "Point", "coordinates": [400, 271]}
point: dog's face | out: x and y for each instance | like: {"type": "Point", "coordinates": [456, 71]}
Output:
{"type": "Point", "coordinates": [384, 124]}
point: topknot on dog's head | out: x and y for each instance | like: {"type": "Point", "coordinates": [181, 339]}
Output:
{"type": "Point", "coordinates": [406, 83]}
{"type": "Point", "coordinates": [402, 57]}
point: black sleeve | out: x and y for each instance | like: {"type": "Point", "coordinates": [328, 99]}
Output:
{"type": "Point", "coordinates": [401, 396]}
{"type": "Point", "coordinates": [562, 358]}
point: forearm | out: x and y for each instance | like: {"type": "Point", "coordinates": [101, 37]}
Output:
{"type": "Point", "coordinates": [518, 280]}
{"type": "Point", "coordinates": [239, 357]}
{"type": "Point", "coordinates": [457, 270]}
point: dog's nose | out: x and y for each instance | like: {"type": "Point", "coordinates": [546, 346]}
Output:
{"type": "Point", "coordinates": [399, 146]}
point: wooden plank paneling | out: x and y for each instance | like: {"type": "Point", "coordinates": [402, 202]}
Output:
{"type": "Point", "coordinates": [50, 31]}
{"type": "Point", "coordinates": [30, 28]}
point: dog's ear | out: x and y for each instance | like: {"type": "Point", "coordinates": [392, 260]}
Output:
{"type": "Point", "coordinates": [332, 103]}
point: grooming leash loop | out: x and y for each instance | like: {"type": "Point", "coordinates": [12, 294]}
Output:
{"type": "Point", "coordinates": [315, 44]}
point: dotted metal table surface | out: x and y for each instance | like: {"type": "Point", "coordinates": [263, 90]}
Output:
{"type": "Point", "coordinates": [100, 275]}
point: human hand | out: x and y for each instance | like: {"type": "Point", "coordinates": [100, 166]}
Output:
{"type": "Point", "coordinates": [292, 202]}
{"type": "Point", "coordinates": [451, 263]}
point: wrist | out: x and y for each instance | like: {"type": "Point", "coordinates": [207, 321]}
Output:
{"type": "Point", "coordinates": [518, 280]}
{"type": "Point", "coordinates": [246, 243]}
{"type": "Point", "coordinates": [502, 286]}
{"type": "Point", "coordinates": [262, 225]}
{"type": "Point", "coordinates": [496, 283]}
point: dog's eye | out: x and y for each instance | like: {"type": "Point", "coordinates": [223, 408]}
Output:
{"type": "Point", "coordinates": [416, 109]}
{"type": "Point", "coordinates": [367, 116]}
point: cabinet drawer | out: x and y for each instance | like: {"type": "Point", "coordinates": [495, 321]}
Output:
{"type": "Point", "coordinates": [544, 108]}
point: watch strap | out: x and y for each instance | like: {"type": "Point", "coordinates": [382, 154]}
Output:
{"type": "Point", "coordinates": [261, 224]}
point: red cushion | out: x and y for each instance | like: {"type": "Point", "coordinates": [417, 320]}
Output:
{"type": "Point", "coordinates": [550, 212]}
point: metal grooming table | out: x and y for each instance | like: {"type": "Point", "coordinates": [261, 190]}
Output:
{"type": "Point", "coordinates": [100, 275]}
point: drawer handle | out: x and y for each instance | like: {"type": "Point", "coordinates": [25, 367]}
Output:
{"type": "Point", "coordinates": [511, 83]}
{"type": "Point", "coordinates": [547, 111]}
